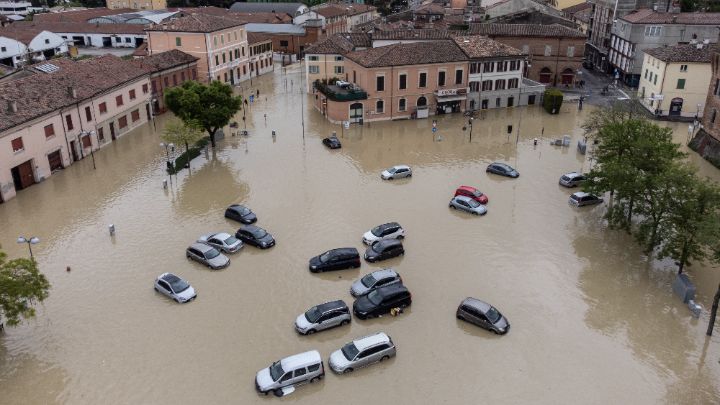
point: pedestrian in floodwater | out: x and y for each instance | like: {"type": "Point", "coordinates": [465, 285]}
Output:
{"type": "Point", "coordinates": [258, 93]}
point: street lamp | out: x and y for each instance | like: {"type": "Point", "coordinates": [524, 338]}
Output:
{"type": "Point", "coordinates": [168, 147]}
{"type": "Point", "coordinates": [32, 241]}
{"type": "Point", "coordinates": [470, 121]}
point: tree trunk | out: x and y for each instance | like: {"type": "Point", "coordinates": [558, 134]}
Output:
{"type": "Point", "coordinates": [211, 132]}
{"type": "Point", "coordinates": [683, 257]}
{"type": "Point", "coordinates": [628, 222]}
{"type": "Point", "coordinates": [713, 312]}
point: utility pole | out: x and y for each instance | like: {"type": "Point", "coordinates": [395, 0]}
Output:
{"type": "Point", "coordinates": [713, 312]}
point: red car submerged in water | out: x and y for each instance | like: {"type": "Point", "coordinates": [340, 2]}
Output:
{"type": "Point", "coordinates": [473, 193]}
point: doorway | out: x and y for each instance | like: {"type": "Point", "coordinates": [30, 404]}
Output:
{"type": "Point", "coordinates": [676, 106]}
{"type": "Point", "coordinates": [531, 99]}
{"type": "Point", "coordinates": [73, 149]}
{"type": "Point", "coordinates": [356, 112]}
{"type": "Point", "coordinates": [55, 161]}
{"type": "Point", "coordinates": [23, 175]}
{"type": "Point", "coordinates": [112, 131]}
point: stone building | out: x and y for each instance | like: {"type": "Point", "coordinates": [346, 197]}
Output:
{"type": "Point", "coordinates": [707, 140]}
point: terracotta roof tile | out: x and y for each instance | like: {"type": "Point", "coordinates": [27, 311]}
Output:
{"type": "Point", "coordinates": [683, 53]}
{"type": "Point", "coordinates": [481, 47]}
{"type": "Point", "coordinates": [43, 93]}
{"type": "Point", "coordinates": [340, 44]}
{"type": "Point", "coordinates": [411, 34]}
{"type": "Point", "coordinates": [525, 30]}
{"type": "Point", "coordinates": [35, 27]}
{"type": "Point", "coordinates": [647, 16]}
{"type": "Point", "coordinates": [576, 8]}
{"type": "Point", "coordinates": [418, 53]}
{"type": "Point", "coordinates": [196, 22]}
{"type": "Point", "coordinates": [79, 15]}
{"type": "Point", "coordinates": [165, 60]}
{"type": "Point", "coordinates": [255, 37]}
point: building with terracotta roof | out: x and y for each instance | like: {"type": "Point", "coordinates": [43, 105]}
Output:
{"type": "Point", "coordinates": [219, 43]}
{"type": "Point", "coordinates": [325, 59]}
{"type": "Point", "coordinates": [20, 44]}
{"type": "Point", "coordinates": [291, 9]}
{"type": "Point", "coordinates": [56, 115]}
{"type": "Point", "coordinates": [167, 70]}
{"type": "Point", "coordinates": [555, 52]}
{"type": "Point", "coordinates": [138, 4]}
{"type": "Point", "coordinates": [645, 29]}
{"type": "Point", "coordinates": [261, 53]}
{"type": "Point", "coordinates": [675, 80]}
{"type": "Point", "coordinates": [85, 34]}
{"type": "Point", "coordinates": [342, 17]}
{"type": "Point", "coordinates": [707, 140]}
{"type": "Point", "coordinates": [77, 16]}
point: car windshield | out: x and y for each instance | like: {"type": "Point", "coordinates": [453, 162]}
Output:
{"type": "Point", "coordinates": [313, 314]}
{"type": "Point", "coordinates": [566, 178]}
{"type": "Point", "coordinates": [178, 285]}
{"type": "Point", "coordinates": [230, 240]}
{"type": "Point", "coordinates": [375, 297]}
{"type": "Point", "coordinates": [258, 233]}
{"type": "Point", "coordinates": [492, 315]}
{"type": "Point", "coordinates": [244, 210]}
{"type": "Point", "coordinates": [212, 253]}
{"type": "Point", "coordinates": [350, 351]}
{"type": "Point", "coordinates": [392, 170]}
{"type": "Point", "coordinates": [473, 203]}
{"type": "Point", "coordinates": [378, 247]}
{"type": "Point", "coordinates": [324, 257]}
{"type": "Point", "coordinates": [276, 371]}
{"type": "Point", "coordinates": [368, 281]}
{"type": "Point", "coordinates": [377, 231]}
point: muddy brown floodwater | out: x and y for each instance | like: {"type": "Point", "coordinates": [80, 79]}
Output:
{"type": "Point", "coordinates": [593, 320]}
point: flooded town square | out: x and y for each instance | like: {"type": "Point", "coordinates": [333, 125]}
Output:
{"type": "Point", "coordinates": [594, 321]}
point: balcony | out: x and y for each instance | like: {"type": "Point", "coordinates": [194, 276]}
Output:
{"type": "Point", "coordinates": [337, 93]}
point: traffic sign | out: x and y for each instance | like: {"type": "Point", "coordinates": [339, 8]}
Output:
{"type": "Point", "coordinates": [434, 129]}
{"type": "Point", "coordinates": [346, 124]}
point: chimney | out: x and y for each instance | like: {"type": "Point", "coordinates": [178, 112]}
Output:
{"type": "Point", "coordinates": [12, 106]}
{"type": "Point", "coordinates": [72, 92]}
{"type": "Point", "coordinates": [674, 19]}
{"type": "Point", "coordinates": [699, 46]}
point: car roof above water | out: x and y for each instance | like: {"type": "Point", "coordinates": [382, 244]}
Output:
{"type": "Point", "coordinates": [201, 247]}
{"type": "Point", "coordinates": [477, 304]}
{"type": "Point", "coordinates": [384, 273]}
{"type": "Point", "coordinates": [332, 305]}
{"type": "Point", "coordinates": [300, 360]}
{"type": "Point", "coordinates": [371, 340]}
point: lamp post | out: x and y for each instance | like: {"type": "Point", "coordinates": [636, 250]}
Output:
{"type": "Point", "coordinates": [32, 241]}
{"type": "Point", "coordinates": [168, 146]}
{"type": "Point", "coordinates": [470, 122]}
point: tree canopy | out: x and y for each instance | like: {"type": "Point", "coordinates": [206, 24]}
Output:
{"type": "Point", "coordinates": [206, 106]}
{"type": "Point", "coordinates": [21, 287]}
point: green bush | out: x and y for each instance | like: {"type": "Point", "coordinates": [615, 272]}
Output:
{"type": "Point", "coordinates": [186, 157]}
{"type": "Point", "coordinates": [552, 101]}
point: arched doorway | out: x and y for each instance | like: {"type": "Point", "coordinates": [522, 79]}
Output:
{"type": "Point", "coordinates": [676, 106]}
{"type": "Point", "coordinates": [545, 75]}
{"type": "Point", "coordinates": [567, 76]}
{"type": "Point", "coordinates": [422, 101]}
{"type": "Point", "coordinates": [356, 112]}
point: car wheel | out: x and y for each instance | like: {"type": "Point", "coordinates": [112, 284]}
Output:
{"type": "Point", "coordinates": [156, 290]}
{"type": "Point", "coordinates": [401, 237]}
{"type": "Point", "coordinates": [345, 322]}
{"type": "Point", "coordinates": [348, 370]}
{"type": "Point", "coordinates": [452, 206]}
{"type": "Point", "coordinates": [314, 379]}
{"type": "Point", "coordinates": [459, 317]}
{"type": "Point", "coordinates": [278, 392]}
{"type": "Point", "coordinates": [494, 331]}
{"type": "Point", "coordinates": [383, 358]}
{"type": "Point", "coordinates": [266, 392]}
{"type": "Point", "coordinates": [409, 175]}
{"type": "Point", "coordinates": [177, 300]}
{"type": "Point", "coordinates": [310, 332]}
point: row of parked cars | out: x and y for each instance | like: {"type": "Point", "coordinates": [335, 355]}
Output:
{"type": "Point", "coordinates": [580, 198]}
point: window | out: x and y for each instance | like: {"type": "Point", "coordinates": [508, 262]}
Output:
{"type": "Point", "coordinates": [402, 104]}
{"type": "Point", "coordinates": [646, 72]}
{"type": "Point", "coordinates": [3, 49]}
{"type": "Point", "coordinates": [49, 131]}
{"type": "Point", "coordinates": [122, 122]}
{"type": "Point", "coordinates": [526, 49]}
{"type": "Point", "coordinates": [489, 67]}
{"type": "Point", "coordinates": [548, 50]}
{"type": "Point", "coordinates": [497, 102]}
{"type": "Point", "coordinates": [223, 55]}
{"type": "Point", "coordinates": [182, 77]}
{"type": "Point", "coordinates": [100, 134]}
{"type": "Point", "coordinates": [403, 82]}
{"type": "Point", "coordinates": [474, 68]}
{"type": "Point", "coordinates": [237, 53]}
{"type": "Point", "coordinates": [511, 101]}
{"type": "Point", "coordinates": [224, 77]}
{"type": "Point", "coordinates": [47, 41]}
{"type": "Point", "coordinates": [102, 107]}
{"type": "Point", "coordinates": [284, 43]}
{"type": "Point", "coordinates": [119, 100]}
{"type": "Point", "coordinates": [17, 144]}
{"type": "Point", "coordinates": [338, 59]}
{"type": "Point", "coordinates": [313, 58]}
{"type": "Point", "coordinates": [502, 66]}
{"type": "Point", "coordinates": [166, 80]}
{"type": "Point", "coordinates": [217, 60]}
{"type": "Point", "coordinates": [314, 367]}
{"type": "Point", "coordinates": [132, 94]}
{"type": "Point", "coordinates": [652, 31]}
{"type": "Point", "coordinates": [194, 73]}
{"type": "Point", "coordinates": [339, 69]}
{"type": "Point", "coordinates": [68, 121]}
{"type": "Point", "coordinates": [655, 81]}
{"type": "Point", "coordinates": [458, 76]}
{"type": "Point", "coordinates": [86, 142]}
{"type": "Point", "coordinates": [681, 84]}
{"type": "Point", "coordinates": [570, 51]}
{"type": "Point", "coordinates": [380, 107]}
{"type": "Point", "coordinates": [422, 82]}
{"type": "Point", "coordinates": [441, 78]}
{"type": "Point", "coordinates": [127, 40]}
{"type": "Point", "coordinates": [135, 115]}
{"type": "Point", "coordinates": [174, 80]}
{"type": "Point", "coordinates": [145, 88]}
{"type": "Point", "coordinates": [474, 86]}
{"type": "Point", "coordinates": [713, 116]}
{"type": "Point", "coordinates": [88, 115]}
{"type": "Point", "coordinates": [286, 377]}
{"type": "Point", "coordinates": [683, 68]}
{"type": "Point", "coordinates": [178, 41]}
{"type": "Point", "coordinates": [487, 85]}
{"type": "Point", "coordinates": [380, 83]}
{"type": "Point", "coordinates": [222, 40]}
{"type": "Point", "coordinates": [300, 371]}
{"type": "Point", "coordinates": [311, 69]}
{"type": "Point", "coordinates": [500, 84]}
{"type": "Point", "coordinates": [512, 84]}
{"type": "Point", "coordinates": [235, 35]}
{"type": "Point", "coordinates": [717, 86]}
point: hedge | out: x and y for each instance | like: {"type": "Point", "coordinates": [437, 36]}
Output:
{"type": "Point", "coordinates": [552, 101]}
{"type": "Point", "coordinates": [183, 160]}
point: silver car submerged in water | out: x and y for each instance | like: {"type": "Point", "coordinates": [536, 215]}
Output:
{"type": "Point", "coordinates": [373, 281]}
{"type": "Point", "coordinates": [223, 241]}
{"type": "Point", "coordinates": [207, 255]}
{"type": "Point", "coordinates": [362, 352]}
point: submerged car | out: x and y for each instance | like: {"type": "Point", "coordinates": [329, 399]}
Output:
{"type": "Point", "coordinates": [572, 179]}
{"type": "Point", "coordinates": [467, 204]}
{"type": "Point", "coordinates": [207, 255]}
{"type": "Point", "coordinates": [502, 169]}
{"type": "Point", "coordinates": [222, 241]}
{"type": "Point", "coordinates": [482, 314]}
{"type": "Point", "coordinates": [396, 172]}
{"type": "Point", "coordinates": [335, 259]}
{"type": "Point", "coordinates": [373, 281]}
{"type": "Point", "coordinates": [255, 236]}
{"type": "Point", "coordinates": [174, 287]}
{"type": "Point", "coordinates": [362, 352]}
{"type": "Point", "coordinates": [323, 316]}
{"type": "Point", "coordinates": [383, 250]}
{"type": "Point", "coordinates": [473, 193]}
{"type": "Point", "coordinates": [581, 199]}
{"type": "Point", "coordinates": [332, 142]}
{"type": "Point", "coordinates": [381, 301]}
{"type": "Point", "coordinates": [240, 213]}
{"type": "Point", "coordinates": [291, 371]}
{"type": "Point", "coordinates": [390, 230]}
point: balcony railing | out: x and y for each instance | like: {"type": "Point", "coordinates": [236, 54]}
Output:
{"type": "Point", "coordinates": [337, 93]}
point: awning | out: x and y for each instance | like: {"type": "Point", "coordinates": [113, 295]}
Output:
{"type": "Point", "coordinates": [450, 98]}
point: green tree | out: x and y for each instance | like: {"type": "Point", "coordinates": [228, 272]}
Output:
{"type": "Point", "coordinates": [209, 107]}
{"type": "Point", "coordinates": [179, 133]}
{"type": "Point", "coordinates": [21, 286]}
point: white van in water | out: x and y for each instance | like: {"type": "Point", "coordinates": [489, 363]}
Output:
{"type": "Point", "coordinates": [290, 371]}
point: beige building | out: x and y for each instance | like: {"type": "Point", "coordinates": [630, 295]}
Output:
{"type": "Point", "coordinates": [326, 58]}
{"type": "Point", "coordinates": [219, 43]}
{"type": "Point", "coordinates": [62, 111]}
{"type": "Point", "coordinates": [674, 81]}
{"type": "Point", "coordinates": [138, 4]}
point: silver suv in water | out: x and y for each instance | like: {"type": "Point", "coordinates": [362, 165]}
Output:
{"type": "Point", "coordinates": [323, 316]}
{"type": "Point", "coordinates": [290, 372]}
{"type": "Point", "coordinates": [362, 352]}
{"type": "Point", "coordinates": [207, 255]}
{"type": "Point", "coordinates": [373, 281]}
